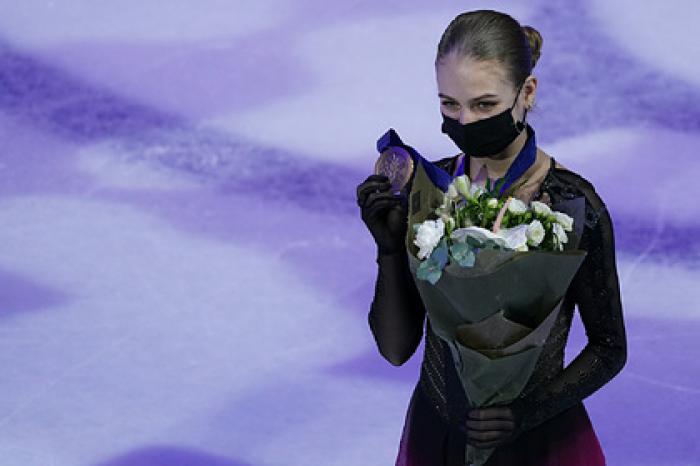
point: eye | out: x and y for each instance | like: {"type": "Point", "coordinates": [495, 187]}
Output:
{"type": "Point", "coordinates": [449, 104]}
{"type": "Point", "coordinates": [485, 105]}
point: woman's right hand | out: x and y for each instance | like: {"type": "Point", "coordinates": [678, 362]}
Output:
{"type": "Point", "coordinates": [384, 213]}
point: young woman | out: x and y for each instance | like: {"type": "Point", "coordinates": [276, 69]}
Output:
{"type": "Point", "coordinates": [484, 73]}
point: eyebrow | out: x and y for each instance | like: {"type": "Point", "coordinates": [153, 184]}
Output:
{"type": "Point", "coordinates": [475, 98]}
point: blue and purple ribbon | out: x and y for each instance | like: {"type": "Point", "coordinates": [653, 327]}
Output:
{"type": "Point", "coordinates": [442, 179]}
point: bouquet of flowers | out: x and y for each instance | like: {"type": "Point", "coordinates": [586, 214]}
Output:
{"type": "Point", "coordinates": [471, 219]}
{"type": "Point", "coordinates": [492, 272]}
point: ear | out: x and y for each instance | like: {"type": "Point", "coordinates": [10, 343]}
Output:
{"type": "Point", "coordinates": [530, 90]}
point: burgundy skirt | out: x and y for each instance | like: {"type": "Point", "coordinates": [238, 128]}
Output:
{"type": "Point", "coordinates": [566, 439]}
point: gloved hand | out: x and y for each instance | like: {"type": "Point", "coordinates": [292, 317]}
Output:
{"type": "Point", "coordinates": [384, 213]}
{"type": "Point", "coordinates": [494, 426]}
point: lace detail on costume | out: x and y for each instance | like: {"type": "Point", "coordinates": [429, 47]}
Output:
{"type": "Point", "coordinates": [432, 378]}
{"type": "Point", "coordinates": [595, 290]}
{"type": "Point", "coordinates": [551, 360]}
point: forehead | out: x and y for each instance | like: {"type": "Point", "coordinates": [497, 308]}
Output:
{"type": "Point", "coordinates": [464, 78]}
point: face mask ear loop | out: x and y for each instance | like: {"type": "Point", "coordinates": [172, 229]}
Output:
{"type": "Point", "coordinates": [519, 125]}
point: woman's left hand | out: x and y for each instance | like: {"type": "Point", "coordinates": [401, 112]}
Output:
{"type": "Point", "coordinates": [491, 427]}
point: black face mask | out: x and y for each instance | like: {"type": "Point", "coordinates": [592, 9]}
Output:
{"type": "Point", "coordinates": [485, 137]}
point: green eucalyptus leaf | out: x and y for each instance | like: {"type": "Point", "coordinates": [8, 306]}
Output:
{"type": "Point", "coordinates": [429, 270]}
{"type": "Point", "coordinates": [440, 253]}
{"type": "Point", "coordinates": [463, 254]}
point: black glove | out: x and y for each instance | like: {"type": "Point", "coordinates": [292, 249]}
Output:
{"type": "Point", "coordinates": [384, 213]}
{"type": "Point", "coordinates": [493, 426]}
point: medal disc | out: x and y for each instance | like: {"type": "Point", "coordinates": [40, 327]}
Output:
{"type": "Point", "coordinates": [396, 163]}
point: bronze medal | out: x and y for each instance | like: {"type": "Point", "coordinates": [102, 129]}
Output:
{"type": "Point", "coordinates": [397, 164]}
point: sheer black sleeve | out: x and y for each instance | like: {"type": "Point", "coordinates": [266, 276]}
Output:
{"type": "Point", "coordinates": [397, 313]}
{"type": "Point", "coordinates": [595, 289]}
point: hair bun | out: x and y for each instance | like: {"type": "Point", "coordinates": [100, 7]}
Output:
{"type": "Point", "coordinates": [535, 40]}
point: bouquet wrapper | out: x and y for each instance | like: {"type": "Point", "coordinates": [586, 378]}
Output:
{"type": "Point", "coordinates": [493, 350]}
{"type": "Point", "coordinates": [495, 316]}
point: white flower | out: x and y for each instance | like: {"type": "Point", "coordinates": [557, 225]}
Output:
{"type": "Point", "coordinates": [517, 206]}
{"type": "Point", "coordinates": [515, 237]}
{"type": "Point", "coordinates": [475, 190]}
{"type": "Point", "coordinates": [564, 220]}
{"type": "Point", "coordinates": [492, 203]}
{"type": "Point", "coordinates": [452, 191]}
{"type": "Point", "coordinates": [428, 236]}
{"type": "Point", "coordinates": [462, 184]}
{"type": "Point", "coordinates": [481, 234]}
{"type": "Point", "coordinates": [559, 234]}
{"type": "Point", "coordinates": [541, 208]}
{"type": "Point", "coordinates": [535, 233]}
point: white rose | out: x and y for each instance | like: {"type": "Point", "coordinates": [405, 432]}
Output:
{"type": "Point", "coordinates": [517, 206]}
{"type": "Point", "coordinates": [564, 220]}
{"type": "Point", "coordinates": [462, 184]}
{"type": "Point", "coordinates": [559, 234]}
{"type": "Point", "coordinates": [541, 208]}
{"type": "Point", "coordinates": [535, 233]}
{"type": "Point", "coordinates": [452, 191]}
{"type": "Point", "coordinates": [492, 203]}
{"type": "Point", "coordinates": [428, 236]}
{"type": "Point", "coordinates": [481, 234]}
{"type": "Point", "coordinates": [515, 237]}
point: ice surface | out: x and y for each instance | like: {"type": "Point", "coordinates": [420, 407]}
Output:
{"type": "Point", "coordinates": [184, 276]}
{"type": "Point", "coordinates": [643, 33]}
{"type": "Point", "coordinates": [40, 23]}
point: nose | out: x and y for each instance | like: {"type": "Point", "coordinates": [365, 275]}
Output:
{"type": "Point", "coordinates": [465, 116]}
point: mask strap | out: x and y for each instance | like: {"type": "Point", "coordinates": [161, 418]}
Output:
{"type": "Point", "coordinates": [517, 95]}
{"type": "Point", "coordinates": [519, 125]}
